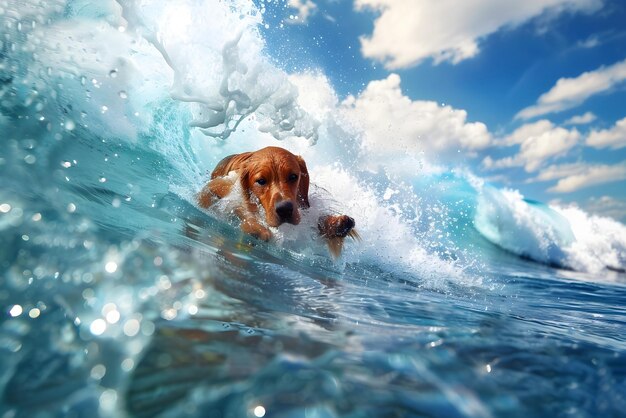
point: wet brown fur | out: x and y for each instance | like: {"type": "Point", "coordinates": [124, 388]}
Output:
{"type": "Point", "coordinates": [285, 179]}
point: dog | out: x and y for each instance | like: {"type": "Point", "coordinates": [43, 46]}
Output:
{"type": "Point", "coordinates": [274, 181]}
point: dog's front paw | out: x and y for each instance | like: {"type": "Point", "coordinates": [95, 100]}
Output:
{"type": "Point", "coordinates": [258, 231]}
{"type": "Point", "coordinates": [336, 226]}
{"type": "Point", "coordinates": [344, 225]}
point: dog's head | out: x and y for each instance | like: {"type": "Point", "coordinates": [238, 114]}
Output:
{"type": "Point", "coordinates": [278, 180]}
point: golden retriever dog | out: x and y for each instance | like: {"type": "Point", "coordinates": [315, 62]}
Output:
{"type": "Point", "coordinates": [275, 182]}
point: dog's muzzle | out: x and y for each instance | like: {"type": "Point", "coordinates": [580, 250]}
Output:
{"type": "Point", "coordinates": [285, 211]}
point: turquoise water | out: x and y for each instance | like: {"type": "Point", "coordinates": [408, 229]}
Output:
{"type": "Point", "coordinates": [120, 297]}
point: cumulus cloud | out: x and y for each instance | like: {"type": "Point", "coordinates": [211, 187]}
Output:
{"type": "Point", "coordinates": [409, 31]}
{"type": "Point", "coordinates": [614, 138]}
{"type": "Point", "coordinates": [580, 175]}
{"type": "Point", "coordinates": [538, 143]}
{"type": "Point", "coordinates": [568, 93]}
{"type": "Point", "coordinates": [583, 119]}
{"type": "Point", "coordinates": [559, 171]}
{"type": "Point", "coordinates": [305, 9]}
{"type": "Point", "coordinates": [529, 130]}
{"type": "Point", "coordinates": [392, 122]}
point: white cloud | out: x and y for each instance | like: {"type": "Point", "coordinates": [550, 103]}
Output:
{"type": "Point", "coordinates": [570, 92]}
{"type": "Point", "coordinates": [590, 42]}
{"type": "Point", "coordinates": [409, 31]}
{"type": "Point", "coordinates": [559, 171]}
{"type": "Point", "coordinates": [305, 9]}
{"type": "Point", "coordinates": [581, 119]}
{"type": "Point", "coordinates": [584, 175]}
{"type": "Point", "coordinates": [614, 138]}
{"type": "Point", "coordinates": [529, 130]}
{"type": "Point", "coordinates": [538, 142]}
{"type": "Point", "coordinates": [392, 122]}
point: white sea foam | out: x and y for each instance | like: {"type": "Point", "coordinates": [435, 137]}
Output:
{"type": "Point", "coordinates": [567, 237]}
{"type": "Point", "coordinates": [600, 242]}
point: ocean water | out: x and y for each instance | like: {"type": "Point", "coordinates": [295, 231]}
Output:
{"type": "Point", "coordinates": [120, 297]}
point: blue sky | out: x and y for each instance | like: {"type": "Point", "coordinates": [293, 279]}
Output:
{"type": "Point", "coordinates": [523, 69]}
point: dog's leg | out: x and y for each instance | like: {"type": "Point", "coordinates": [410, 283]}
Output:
{"type": "Point", "coordinates": [221, 187]}
{"type": "Point", "coordinates": [214, 190]}
{"type": "Point", "coordinates": [334, 228]}
{"type": "Point", "coordinates": [251, 225]}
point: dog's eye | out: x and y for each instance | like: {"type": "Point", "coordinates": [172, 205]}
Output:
{"type": "Point", "coordinates": [261, 182]}
{"type": "Point", "coordinates": [292, 177]}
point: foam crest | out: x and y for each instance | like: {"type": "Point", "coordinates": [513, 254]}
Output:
{"type": "Point", "coordinates": [226, 78]}
{"type": "Point", "coordinates": [387, 238]}
{"type": "Point", "coordinates": [600, 242]}
{"type": "Point", "coordinates": [565, 237]}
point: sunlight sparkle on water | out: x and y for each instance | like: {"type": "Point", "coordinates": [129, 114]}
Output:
{"type": "Point", "coordinates": [131, 327]}
{"type": "Point", "coordinates": [259, 411]}
{"type": "Point", "coordinates": [110, 312]}
{"type": "Point", "coordinates": [16, 310]}
{"type": "Point", "coordinates": [98, 327]}
{"type": "Point", "coordinates": [98, 371]}
{"type": "Point", "coordinates": [128, 364]}
{"type": "Point", "coordinates": [108, 399]}
{"type": "Point", "coordinates": [111, 267]}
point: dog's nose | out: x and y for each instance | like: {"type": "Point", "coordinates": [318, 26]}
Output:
{"type": "Point", "coordinates": [284, 209]}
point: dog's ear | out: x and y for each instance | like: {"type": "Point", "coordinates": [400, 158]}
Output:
{"type": "Point", "coordinates": [230, 163]}
{"type": "Point", "coordinates": [244, 179]}
{"type": "Point", "coordinates": [303, 187]}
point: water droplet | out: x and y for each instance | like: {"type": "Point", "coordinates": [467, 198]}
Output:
{"type": "Point", "coordinates": [128, 364]}
{"type": "Point", "coordinates": [113, 316]}
{"type": "Point", "coordinates": [108, 400]}
{"type": "Point", "coordinates": [70, 125]}
{"type": "Point", "coordinates": [102, 179]}
{"type": "Point", "coordinates": [113, 73]}
{"type": "Point", "coordinates": [131, 327]}
{"type": "Point", "coordinates": [71, 208]}
{"type": "Point", "coordinates": [98, 371]}
{"type": "Point", "coordinates": [111, 267]}
{"type": "Point", "coordinates": [5, 208]}
{"type": "Point", "coordinates": [16, 310]}
{"type": "Point", "coordinates": [123, 94]}
{"type": "Point", "coordinates": [98, 327]}
{"type": "Point", "coordinates": [104, 109]}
